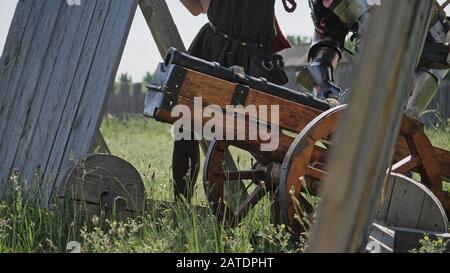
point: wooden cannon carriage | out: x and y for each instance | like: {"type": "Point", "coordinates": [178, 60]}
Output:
{"type": "Point", "coordinates": [306, 130]}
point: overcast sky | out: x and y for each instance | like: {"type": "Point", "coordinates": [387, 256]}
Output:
{"type": "Point", "coordinates": [141, 54]}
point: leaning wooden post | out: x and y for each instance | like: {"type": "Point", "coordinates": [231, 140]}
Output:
{"type": "Point", "coordinates": [162, 25]}
{"type": "Point", "coordinates": [369, 129]}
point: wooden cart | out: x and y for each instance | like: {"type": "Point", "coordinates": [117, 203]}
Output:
{"type": "Point", "coordinates": [306, 128]}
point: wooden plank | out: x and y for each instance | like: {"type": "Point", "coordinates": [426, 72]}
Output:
{"type": "Point", "coordinates": [444, 162]}
{"type": "Point", "coordinates": [24, 82]}
{"type": "Point", "coordinates": [409, 204]}
{"type": "Point", "coordinates": [251, 146]}
{"type": "Point", "coordinates": [39, 121]}
{"type": "Point", "coordinates": [161, 24]}
{"type": "Point", "coordinates": [32, 56]}
{"type": "Point", "coordinates": [369, 129]}
{"type": "Point", "coordinates": [421, 146]}
{"type": "Point", "coordinates": [381, 239]}
{"type": "Point", "coordinates": [15, 66]}
{"type": "Point", "coordinates": [94, 79]}
{"type": "Point", "coordinates": [10, 55]}
{"type": "Point", "coordinates": [99, 82]}
{"type": "Point", "coordinates": [443, 157]}
{"type": "Point", "coordinates": [409, 163]}
{"type": "Point", "coordinates": [385, 200]}
{"type": "Point", "coordinates": [34, 111]}
{"type": "Point", "coordinates": [292, 116]}
{"type": "Point", "coordinates": [100, 145]}
{"type": "Point", "coordinates": [57, 101]}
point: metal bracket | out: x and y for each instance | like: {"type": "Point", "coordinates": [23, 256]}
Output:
{"type": "Point", "coordinates": [173, 87]}
{"type": "Point", "coordinates": [164, 89]}
{"type": "Point", "coordinates": [240, 95]}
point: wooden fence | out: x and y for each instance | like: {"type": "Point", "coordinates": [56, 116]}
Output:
{"type": "Point", "coordinates": [128, 99]}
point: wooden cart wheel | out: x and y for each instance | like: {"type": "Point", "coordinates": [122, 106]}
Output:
{"type": "Point", "coordinates": [306, 159]}
{"type": "Point", "coordinates": [103, 182]}
{"type": "Point", "coordinates": [228, 205]}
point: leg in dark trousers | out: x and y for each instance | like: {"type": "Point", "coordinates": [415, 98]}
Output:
{"type": "Point", "coordinates": [185, 167]}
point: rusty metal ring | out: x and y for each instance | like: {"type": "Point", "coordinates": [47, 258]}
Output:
{"type": "Point", "coordinates": [290, 5]}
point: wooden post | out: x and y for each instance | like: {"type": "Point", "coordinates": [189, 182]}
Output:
{"type": "Point", "coordinates": [369, 129]}
{"type": "Point", "coordinates": [124, 95]}
{"type": "Point", "coordinates": [100, 145]}
{"type": "Point", "coordinates": [161, 24]}
{"type": "Point", "coordinates": [137, 103]}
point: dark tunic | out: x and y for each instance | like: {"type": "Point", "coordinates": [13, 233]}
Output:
{"type": "Point", "coordinates": [244, 21]}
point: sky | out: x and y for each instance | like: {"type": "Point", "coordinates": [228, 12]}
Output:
{"type": "Point", "coordinates": [141, 54]}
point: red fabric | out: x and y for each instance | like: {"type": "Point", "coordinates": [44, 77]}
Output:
{"type": "Point", "coordinates": [280, 41]}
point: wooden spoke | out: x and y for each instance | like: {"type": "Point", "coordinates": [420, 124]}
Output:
{"type": "Point", "coordinates": [215, 179]}
{"type": "Point", "coordinates": [256, 196]}
{"type": "Point", "coordinates": [315, 173]}
{"type": "Point", "coordinates": [420, 145]}
{"type": "Point", "coordinates": [300, 161]}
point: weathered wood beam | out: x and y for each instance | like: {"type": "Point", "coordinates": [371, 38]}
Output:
{"type": "Point", "coordinates": [165, 33]}
{"type": "Point", "coordinates": [368, 133]}
{"type": "Point", "coordinates": [162, 25]}
{"type": "Point", "coordinates": [100, 145]}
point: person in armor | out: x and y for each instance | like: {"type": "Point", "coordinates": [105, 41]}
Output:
{"type": "Point", "coordinates": [238, 31]}
{"type": "Point", "coordinates": [335, 19]}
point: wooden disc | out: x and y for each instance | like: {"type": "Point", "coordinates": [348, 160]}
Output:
{"type": "Point", "coordinates": [406, 203]}
{"type": "Point", "coordinates": [107, 182]}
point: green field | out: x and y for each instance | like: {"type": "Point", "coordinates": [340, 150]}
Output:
{"type": "Point", "coordinates": [148, 146]}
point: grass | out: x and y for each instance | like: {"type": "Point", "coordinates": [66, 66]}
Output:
{"type": "Point", "coordinates": [440, 138]}
{"type": "Point", "coordinates": [148, 146]}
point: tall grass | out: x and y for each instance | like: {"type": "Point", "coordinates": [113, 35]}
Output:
{"type": "Point", "coordinates": [26, 228]}
{"type": "Point", "coordinates": [163, 228]}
